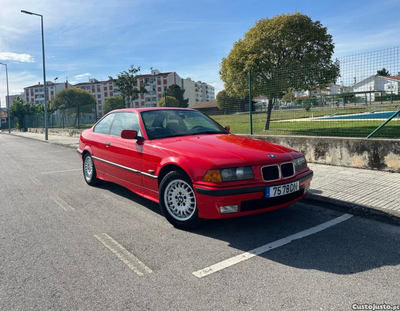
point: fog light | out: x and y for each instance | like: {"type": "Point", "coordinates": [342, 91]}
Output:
{"type": "Point", "coordinates": [229, 209]}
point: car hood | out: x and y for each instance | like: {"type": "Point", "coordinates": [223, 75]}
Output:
{"type": "Point", "coordinates": [227, 149]}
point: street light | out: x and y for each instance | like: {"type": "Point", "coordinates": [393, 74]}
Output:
{"type": "Point", "coordinates": [8, 101]}
{"type": "Point", "coordinates": [44, 76]}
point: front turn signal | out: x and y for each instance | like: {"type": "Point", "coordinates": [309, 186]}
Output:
{"type": "Point", "coordinates": [213, 176]}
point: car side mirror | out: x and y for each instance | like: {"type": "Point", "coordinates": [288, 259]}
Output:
{"type": "Point", "coordinates": [228, 128]}
{"type": "Point", "coordinates": [129, 134]}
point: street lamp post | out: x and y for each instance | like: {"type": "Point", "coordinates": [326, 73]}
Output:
{"type": "Point", "coordinates": [44, 76]}
{"type": "Point", "coordinates": [8, 101]}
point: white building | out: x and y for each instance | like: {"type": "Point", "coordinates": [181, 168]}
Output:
{"type": "Point", "coordinates": [101, 90]}
{"type": "Point", "coordinates": [198, 92]}
{"type": "Point", "coordinates": [368, 87]}
{"type": "Point", "coordinates": [156, 84]}
{"type": "Point", "coordinates": [35, 94]}
{"type": "Point", "coordinates": [14, 97]}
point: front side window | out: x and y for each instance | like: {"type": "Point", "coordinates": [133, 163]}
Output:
{"type": "Point", "coordinates": [125, 121]}
{"type": "Point", "coordinates": [103, 126]}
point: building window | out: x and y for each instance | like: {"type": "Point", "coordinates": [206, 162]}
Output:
{"type": "Point", "coordinates": [165, 81]}
{"type": "Point", "coordinates": [99, 101]}
{"type": "Point", "coordinates": [159, 89]}
{"type": "Point", "coordinates": [98, 96]}
{"type": "Point", "coordinates": [141, 96]}
{"type": "Point", "coordinates": [159, 82]}
{"type": "Point", "coordinates": [110, 87]}
{"type": "Point", "coordinates": [105, 94]}
{"type": "Point", "coordinates": [105, 88]}
{"type": "Point", "coordinates": [159, 95]}
{"type": "Point", "coordinates": [111, 94]}
{"type": "Point", "coordinates": [141, 103]}
{"type": "Point", "coordinates": [165, 88]}
{"type": "Point", "coordinates": [99, 107]}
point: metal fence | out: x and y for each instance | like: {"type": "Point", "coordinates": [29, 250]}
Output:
{"type": "Point", "coordinates": [74, 118]}
{"type": "Point", "coordinates": [351, 104]}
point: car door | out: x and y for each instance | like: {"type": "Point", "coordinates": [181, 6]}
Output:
{"type": "Point", "coordinates": [98, 141]}
{"type": "Point", "coordinates": [124, 156]}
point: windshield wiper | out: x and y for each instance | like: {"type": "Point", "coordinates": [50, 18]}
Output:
{"type": "Point", "coordinates": [207, 132]}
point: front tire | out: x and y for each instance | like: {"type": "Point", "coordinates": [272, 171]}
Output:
{"type": "Point", "coordinates": [89, 170]}
{"type": "Point", "coordinates": [178, 201]}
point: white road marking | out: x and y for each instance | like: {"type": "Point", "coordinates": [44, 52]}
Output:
{"type": "Point", "coordinates": [265, 248]}
{"type": "Point", "coordinates": [123, 254]}
{"type": "Point", "coordinates": [63, 171]}
{"type": "Point", "coordinates": [35, 181]}
{"type": "Point", "coordinates": [64, 205]}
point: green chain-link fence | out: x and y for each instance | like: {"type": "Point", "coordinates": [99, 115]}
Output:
{"type": "Point", "coordinates": [352, 104]}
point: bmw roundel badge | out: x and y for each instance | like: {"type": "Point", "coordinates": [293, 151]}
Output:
{"type": "Point", "coordinates": [272, 156]}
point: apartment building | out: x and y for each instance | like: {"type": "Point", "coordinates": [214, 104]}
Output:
{"type": "Point", "coordinates": [35, 94]}
{"type": "Point", "coordinates": [11, 98]}
{"type": "Point", "coordinates": [101, 90]}
{"type": "Point", "coordinates": [156, 83]}
{"type": "Point", "coordinates": [198, 92]}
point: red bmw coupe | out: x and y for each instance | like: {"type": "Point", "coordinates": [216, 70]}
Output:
{"type": "Point", "coordinates": [192, 166]}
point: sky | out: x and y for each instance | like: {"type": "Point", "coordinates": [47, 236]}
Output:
{"type": "Point", "coordinates": [97, 39]}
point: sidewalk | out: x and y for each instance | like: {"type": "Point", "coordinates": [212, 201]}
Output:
{"type": "Point", "coordinates": [368, 193]}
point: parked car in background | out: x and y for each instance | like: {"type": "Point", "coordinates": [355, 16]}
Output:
{"type": "Point", "coordinates": [192, 166]}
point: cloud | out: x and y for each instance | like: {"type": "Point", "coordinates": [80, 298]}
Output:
{"type": "Point", "coordinates": [23, 58]}
{"type": "Point", "coordinates": [81, 76]}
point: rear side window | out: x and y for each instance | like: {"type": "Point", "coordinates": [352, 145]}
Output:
{"type": "Point", "coordinates": [103, 126]}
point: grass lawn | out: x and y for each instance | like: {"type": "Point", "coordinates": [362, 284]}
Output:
{"type": "Point", "coordinates": [240, 123]}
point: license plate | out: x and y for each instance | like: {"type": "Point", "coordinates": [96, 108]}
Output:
{"type": "Point", "coordinates": [276, 191]}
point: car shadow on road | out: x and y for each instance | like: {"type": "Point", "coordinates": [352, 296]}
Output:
{"type": "Point", "coordinates": [353, 246]}
{"type": "Point", "coordinates": [127, 194]}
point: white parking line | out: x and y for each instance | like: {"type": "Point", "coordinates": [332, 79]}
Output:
{"type": "Point", "coordinates": [123, 254]}
{"type": "Point", "coordinates": [64, 205]}
{"type": "Point", "coordinates": [36, 181]}
{"type": "Point", "coordinates": [265, 248]}
{"type": "Point", "coordinates": [63, 171]}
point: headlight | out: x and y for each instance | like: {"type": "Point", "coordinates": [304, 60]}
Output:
{"type": "Point", "coordinates": [229, 174]}
{"type": "Point", "coordinates": [300, 163]}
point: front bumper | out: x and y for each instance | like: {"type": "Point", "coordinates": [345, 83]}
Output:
{"type": "Point", "coordinates": [251, 200]}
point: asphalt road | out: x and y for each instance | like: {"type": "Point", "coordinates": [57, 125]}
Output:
{"type": "Point", "coordinates": [67, 246]}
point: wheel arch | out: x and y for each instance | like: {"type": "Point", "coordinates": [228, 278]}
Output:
{"type": "Point", "coordinates": [169, 168]}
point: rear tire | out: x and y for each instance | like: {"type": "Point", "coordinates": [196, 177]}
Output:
{"type": "Point", "coordinates": [89, 170]}
{"type": "Point", "coordinates": [178, 201]}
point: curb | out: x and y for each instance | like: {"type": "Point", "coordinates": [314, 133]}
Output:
{"type": "Point", "coordinates": [48, 142]}
{"type": "Point", "coordinates": [355, 209]}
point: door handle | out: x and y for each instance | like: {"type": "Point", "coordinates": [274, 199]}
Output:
{"type": "Point", "coordinates": [107, 143]}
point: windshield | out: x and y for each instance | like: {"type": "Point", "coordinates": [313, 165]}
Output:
{"type": "Point", "coordinates": [171, 123]}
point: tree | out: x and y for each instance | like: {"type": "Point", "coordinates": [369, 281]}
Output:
{"type": "Point", "coordinates": [171, 102]}
{"type": "Point", "coordinates": [83, 101]}
{"type": "Point", "coordinates": [19, 109]}
{"type": "Point", "coordinates": [383, 72]}
{"type": "Point", "coordinates": [113, 103]}
{"type": "Point", "coordinates": [288, 97]}
{"type": "Point", "coordinates": [127, 84]}
{"type": "Point", "coordinates": [177, 92]}
{"type": "Point", "coordinates": [226, 102]}
{"type": "Point", "coordinates": [285, 53]}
